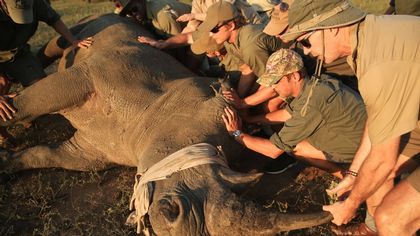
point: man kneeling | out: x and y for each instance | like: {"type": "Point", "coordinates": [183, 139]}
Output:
{"type": "Point", "coordinates": [323, 120]}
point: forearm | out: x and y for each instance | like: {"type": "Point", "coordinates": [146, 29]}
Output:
{"type": "Point", "coordinates": [362, 151]}
{"type": "Point", "coordinates": [246, 81]}
{"type": "Point", "coordinates": [179, 40]}
{"type": "Point", "coordinates": [275, 117]}
{"type": "Point", "coordinates": [62, 29]}
{"type": "Point", "coordinates": [259, 97]}
{"type": "Point", "coordinates": [375, 170]}
{"type": "Point", "coordinates": [260, 145]}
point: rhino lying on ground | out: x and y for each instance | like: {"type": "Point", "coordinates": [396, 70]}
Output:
{"type": "Point", "coordinates": [133, 105]}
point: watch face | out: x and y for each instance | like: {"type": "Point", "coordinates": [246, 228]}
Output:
{"type": "Point", "coordinates": [236, 133]}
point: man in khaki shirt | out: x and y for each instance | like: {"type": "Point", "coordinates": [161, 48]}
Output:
{"type": "Point", "coordinates": [384, 52]}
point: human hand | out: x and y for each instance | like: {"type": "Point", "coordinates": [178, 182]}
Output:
{"type": "Point", "coordinates": [186, 17]}
{"type": "Point", "coordinates": [6, 110]}
{"type": "Point", "coordinates": [343, 212]}
{"type": "Point", "coordinates": [343, 187]}
{"type": "Point", "coordinates": [152, 42]}
{"type": "Point", "coordinates": [83, 43]}
{"type": "Point", "coordinates": [232, 95]}
{"type": "Point", "coordinates": [232, 120]}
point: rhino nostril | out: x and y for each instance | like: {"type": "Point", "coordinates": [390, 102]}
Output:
{"type": "Point", "coordinates": [169, 209]}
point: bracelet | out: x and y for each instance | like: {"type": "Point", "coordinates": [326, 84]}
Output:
{"type": "Point", "coordinates": [350, 172]}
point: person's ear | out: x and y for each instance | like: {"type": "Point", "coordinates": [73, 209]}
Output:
{"type": "Point", "coordinates": [232, 26]}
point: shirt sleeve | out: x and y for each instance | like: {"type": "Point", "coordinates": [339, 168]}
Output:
{"type": "Point", "coordinates": [45, 13]}
{"type": "Point", "coordinates": [297, 129]}
{"type": "Point", "coordinates": [196, 8]}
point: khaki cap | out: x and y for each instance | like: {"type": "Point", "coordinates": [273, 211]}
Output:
{"type": "Point", "coordinates": [20, 11]}
{"type": "Point", "coordinates": [279, 64]}
{"type": "Point", "coordinates": [279, 18]}
{"type": "Point", "coordinates": [218, 13]}
{"type": "Point", "coordinates": [309, 15]}
{"type": "Point", "coordinates": [205, 44]}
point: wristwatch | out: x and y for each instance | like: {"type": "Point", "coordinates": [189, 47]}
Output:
{"type": "Point", "coordinates": [236, 133]}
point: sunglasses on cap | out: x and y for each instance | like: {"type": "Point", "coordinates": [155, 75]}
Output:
{"type": "Point", "coordinates": [305, 41]}
{"type": "Point", "coordinates": [284, 6]}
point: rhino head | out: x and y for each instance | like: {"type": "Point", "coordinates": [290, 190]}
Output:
{"type": "Point", "coordinates": [206, 200]}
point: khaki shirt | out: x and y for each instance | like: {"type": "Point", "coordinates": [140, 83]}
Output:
{"type": "Point", "coordinates": [15, 36]}
{"type": "Point", "coordinates": [247, 11]}
{"type": "Point", "coordinates": [333, 123]}
{"type": "Point", "coordinates": [253, 47]}
{"type": "Point", "coordinates": [386, 59]}
{"type": "Point", "coordinates": [163, 14]}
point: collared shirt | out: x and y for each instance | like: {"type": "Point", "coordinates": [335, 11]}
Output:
{"type": "Point", "coordinates": [253, 47]}
{"type": "Point", "coordinates": [14, 36]}
{"type": "Point", "coordinates": [386, 59]}
{"type": "Point", "coordinates": [333, 123]}
{"type": "Point", "coordinates": [247, 11]}
{"type": "Point", "coordinates": [163, 14]}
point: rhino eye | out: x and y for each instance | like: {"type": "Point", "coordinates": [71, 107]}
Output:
{"type": "Point", "coordinates": [169, 209]}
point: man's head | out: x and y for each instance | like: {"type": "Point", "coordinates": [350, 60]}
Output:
{"type": "Point", "coordinates": [219, 21]}
{"type": "Point", "coordinates": [279, 19]}
{"type": "Point", "coordinates": [134, 8]}
{"type": "Point", "coordinates": [320, 26]}
{"type": "Point", "coordinates": [284, 69]}
{"type": "Point", "coordinates": [20, 11]}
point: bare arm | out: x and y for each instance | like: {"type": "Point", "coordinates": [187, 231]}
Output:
{"type": "Point", "coordinates": [246, 80]}
{"type": "Point", "coordinates": [372, 174]}
{"type": "Point", "coordinates": [62, 29]}
{"type": "Point", "coordinates": [362, 152]}
{"type": "Point", "coordinates": [274, 117]}
{"type": "Point", "coordinates": [254, 99]}
{"type": "Point", "coordinates": [264, 146]}
{"type": "Point", "coordinates": [172, 42]}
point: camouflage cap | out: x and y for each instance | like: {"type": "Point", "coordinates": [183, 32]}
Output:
{"type": "Point", "coordinates": [309, 15]}
{"type": "Point", "coordinates": [279, 64]}
{"type": "Point", "coordinates": [20, 11]}
{"type": "Point", "coordinates": [279, 18]}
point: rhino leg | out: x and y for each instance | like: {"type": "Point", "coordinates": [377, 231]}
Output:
{"type": "Point", "coordinates": [73, 154]}
{"type": "Point", "coordinates": [61, 90]}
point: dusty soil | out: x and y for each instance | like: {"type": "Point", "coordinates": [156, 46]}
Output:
{"type": "Point", "coordinates": [60, 202]}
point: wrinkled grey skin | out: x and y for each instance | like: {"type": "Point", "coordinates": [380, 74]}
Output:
{"type": "Point", "coordinates": [133, 105]}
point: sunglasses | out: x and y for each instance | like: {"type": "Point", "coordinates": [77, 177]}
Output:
{"type": "Point", "coordinates": [217, 28]}
{"type": "Point", "coordinates": [305, 41]}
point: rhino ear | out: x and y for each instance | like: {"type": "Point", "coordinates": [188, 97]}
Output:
{"type": "Point", "coordinates": [238, 181]}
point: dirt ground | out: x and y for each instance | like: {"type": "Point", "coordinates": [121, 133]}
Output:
{"type": "Point", "coordinates": [60, 202]}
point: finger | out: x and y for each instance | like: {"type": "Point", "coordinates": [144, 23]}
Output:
{"type": "Point", "coordinates": [6, 112]}
{"type": "Point", "coordinates": [9, 107]}
{"type": "Point", "coordinates": [3, 117]}
{"type": "Point", "coordinates": [225, 120]}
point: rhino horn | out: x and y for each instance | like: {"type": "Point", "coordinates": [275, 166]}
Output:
{"type": "Point", "coordinates": [248, 218]}
{"type": "Point", "coordinates": [238, 181]}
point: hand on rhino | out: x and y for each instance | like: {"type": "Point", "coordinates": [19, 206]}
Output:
{"type": "Point", "coordinates": [6, 110]}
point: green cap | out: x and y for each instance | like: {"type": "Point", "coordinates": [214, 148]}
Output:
{"type": "Point", "coordinates": [218, 13]}
{"type": "Point", "coordinates": [279, 64]}
{"type": "Point", "coordinates": [20, 11]}
{"type": "Point", "coordinates": [309, 15]}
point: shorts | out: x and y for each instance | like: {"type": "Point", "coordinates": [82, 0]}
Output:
{"type": "Point", "coordinates": [410, 143]}
{"type": "Point", "coordinates": [24, 68]}
{"type": "Point", "coordinates": [414, 179]}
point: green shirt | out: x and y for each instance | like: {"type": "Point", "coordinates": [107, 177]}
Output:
{"type": "Point", "coordinates": [253, 47]}
{"type": "Point", "coordinates": [15, 36]}
{"type": "Point", "coordinates": [163, 14]}
{"type": "Point", "coordinates": [333, 123]}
